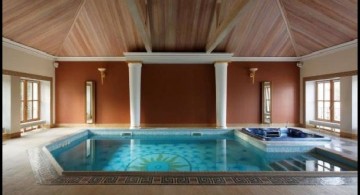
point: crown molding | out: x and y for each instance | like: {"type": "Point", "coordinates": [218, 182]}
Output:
{"type": "Point", "coordinates": [90, 59]}
{"type": "Point", "coordinates": [29, 50]}
{"type": "Point", "coordinates": [330, 50]}
{"type": "Point", "coordinates": [265, 59]}
{"type": "Point", "coordinates": [177, 58]}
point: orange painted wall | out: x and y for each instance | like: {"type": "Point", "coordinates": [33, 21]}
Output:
{"type": "Point", "coordinates": [175, 93]}
{"type": "Point", "coordinates": [244, 98]}
{"type": "Point", "coordinates": [112, 98]}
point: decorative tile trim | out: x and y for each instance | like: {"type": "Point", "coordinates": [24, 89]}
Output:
{"type": "Point", "coordinates": [46, 174]}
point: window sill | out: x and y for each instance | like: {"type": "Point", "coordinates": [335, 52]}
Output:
{"type": "Point", "coordinates": [325, 124]}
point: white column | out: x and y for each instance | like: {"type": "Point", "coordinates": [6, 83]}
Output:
{"type": "Point", "coordinates": [6, 103]}
{"type": "Point", "coordinates": [346, 104]}
{"type": "Point", "coordinates": [221, 86]}
{"type": "Point", "coordinates": [15, 104]}
{"type": "Point", "coordinates": [135, 93]}
{"type": "Point", "coordinates": [11, 104]}
{"type": "Point", "coordinates": [355, 104]}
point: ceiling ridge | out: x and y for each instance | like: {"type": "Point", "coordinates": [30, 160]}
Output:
{"type": "Point", "coordinates": [71, 27]}
{"type": "Point", "coordinates": [284, 17]}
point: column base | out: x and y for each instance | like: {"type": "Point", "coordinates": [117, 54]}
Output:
{"type": "Point", "coordinates": [135, 127]}
{"type": "Point", "coordinates": [221, 127]}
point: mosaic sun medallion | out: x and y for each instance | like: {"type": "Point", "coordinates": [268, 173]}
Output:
{"type": "Point", "coordinates": [159, 162]}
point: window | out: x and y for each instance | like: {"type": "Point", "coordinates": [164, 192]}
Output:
{"type": "Point", "coordinates": [328, 100]}
{"type": "Point", "coordinates": [30, 100]}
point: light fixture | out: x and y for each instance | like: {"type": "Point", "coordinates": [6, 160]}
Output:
{"type": "Point", "coordinates": [252, 74]}
{"type": "Point", "coordinates": [102, 73]}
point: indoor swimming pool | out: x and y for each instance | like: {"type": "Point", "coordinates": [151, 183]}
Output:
{"type": "Point", "coordinates": [177, 151]}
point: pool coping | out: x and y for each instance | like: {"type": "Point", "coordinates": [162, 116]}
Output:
{"type": "Point", "coordinates": [47, 174]}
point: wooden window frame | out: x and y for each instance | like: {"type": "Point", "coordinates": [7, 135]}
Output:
{"type": "Point", "coordinates": [331, 81]}
{"type": "Point", "coordinates": [25, 100]}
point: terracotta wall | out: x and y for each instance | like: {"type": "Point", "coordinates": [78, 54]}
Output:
{"type": "Point", "coordinates": [175, 93]}
{"type": "Point", "coordinates": [112, 98]}
{"type": "Point", "coordinates": [178, 94]}
{"type": "Point", "coordinates": [244, 98]}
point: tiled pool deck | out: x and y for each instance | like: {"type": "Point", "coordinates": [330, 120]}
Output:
{"type": "Point", "coordinates": [45, 173]}
{"type": "Point", "coordinates": [19, 178]}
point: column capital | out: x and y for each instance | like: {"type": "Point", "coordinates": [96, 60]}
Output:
{"type": "Point", "coordinates": [134, 63]}
{"type": "Point", "coordinates": [221, 63]}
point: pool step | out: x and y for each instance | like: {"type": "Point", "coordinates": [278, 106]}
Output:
{"type": "Point", "coordinates": [298, 163]}
{"type": "Point", "coordinates": [290, 166]}
{"type": "Point", "coordinates": [276, 166]}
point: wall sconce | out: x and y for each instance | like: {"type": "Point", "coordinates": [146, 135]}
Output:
{"type": "Point", "coordinates": [252, 74]}
{"type": "Point", "coordinates": [102, 73]}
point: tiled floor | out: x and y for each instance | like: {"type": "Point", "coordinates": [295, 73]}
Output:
{"type": "Point", "coordinates": [346, 147]}
{"type": "Point", "coordinates": [18, 177]}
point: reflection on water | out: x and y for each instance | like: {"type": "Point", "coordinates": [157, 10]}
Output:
{"type": "Point", "coordinates": [183, 155]}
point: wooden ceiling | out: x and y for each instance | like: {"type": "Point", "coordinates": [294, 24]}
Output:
{"type": "Point", "coordinates": [247, 28]}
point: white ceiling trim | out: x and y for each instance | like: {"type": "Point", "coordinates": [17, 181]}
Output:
{"type": "Point", "coordinates": [90, 59]}
{"type": "Point", "coordinates": [265, 59]}
{"type": "Point", "coordinates": [177, 58]}
{"type": "Point", "coordinates": [330, 50]}
{"type": "Point", "coordinates": [29, 50]}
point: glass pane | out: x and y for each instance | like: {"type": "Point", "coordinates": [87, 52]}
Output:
{"type": "Point", "coordinates": [22, 111]}
{"type": "Point", "coordinates": [22, 90]}
{"type": "Point", "coordinates": [29, 90]}
{"type": "Point", "coordinates": [337, 111]}
{"type": "Point", "coordinates": [320, 111]}
{"type": "Point", "coordinates": [35, 109]}
{"type": "Point", "coordinates": [29, 110]}
{"type": "Point", "coordinates": [337, 90]}
{"type": "Point", "coordinates": [327, 110]}
{"type": "Point", "coordinates": [327, 91]}
{"type": "Point", "coordinates": [320, 91]}
{"type": "Point", "coordinates": [35, 90]}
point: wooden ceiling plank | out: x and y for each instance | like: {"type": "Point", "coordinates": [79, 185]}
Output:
{"type": "Point", "coordinates": [72, 26]}
{"type": "Point", "coordinates": [228, 24]}
{"type": "Point", "coordinates": [284, 16]}
{"type": "Point", "coordinates": [139, 23]}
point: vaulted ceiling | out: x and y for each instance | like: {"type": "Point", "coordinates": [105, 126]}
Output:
{"type": "Point", "coordinates": [247, 28]}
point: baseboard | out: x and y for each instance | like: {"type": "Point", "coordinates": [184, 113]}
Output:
{"type": "Point", "coordinates": [85, 125]}
{"type": "Point", "coordinates": [11, 135]}
{"type": "Point", "coordinates": [348, 135]}
{"type": "Point", "coordinates": [189, 125]}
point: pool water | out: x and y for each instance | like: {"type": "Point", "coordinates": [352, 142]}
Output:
{"type": "Point", "coordinates": [167, 153]}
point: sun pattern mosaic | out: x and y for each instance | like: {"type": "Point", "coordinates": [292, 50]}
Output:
{"type": "Point", "coordinates": [159, 162]}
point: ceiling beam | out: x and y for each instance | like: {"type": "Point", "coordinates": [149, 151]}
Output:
{"type": "Point", "coordinates": [215, 18]}
{"type": "Point", "coordinates": [72, 25]}
{"type": "Point", "coordinates": [139, 23]}
{"type": "Point", "coordinates": [283, 14]}
{"type": "Point", "coordinates": [228, 23]}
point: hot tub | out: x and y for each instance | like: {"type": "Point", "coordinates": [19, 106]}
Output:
{"type": "Point", "coordinates": [283, 134]}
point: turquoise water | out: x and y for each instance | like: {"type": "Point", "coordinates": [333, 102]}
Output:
{"type": "Point", "coordinates": [223, 152]}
